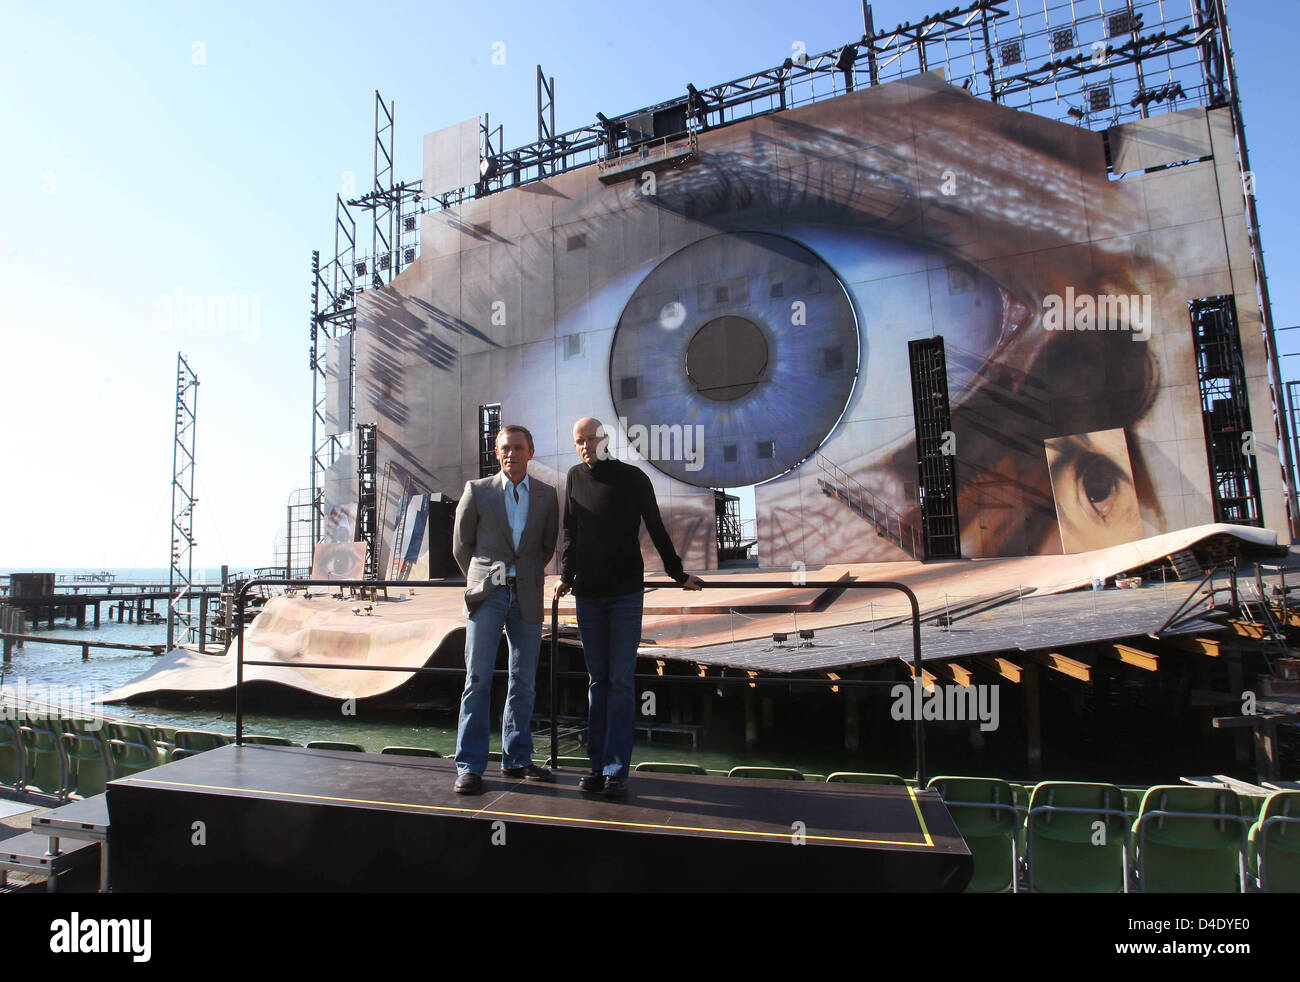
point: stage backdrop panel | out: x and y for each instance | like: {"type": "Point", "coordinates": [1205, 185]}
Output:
{"type": "Point", "coordinates": [747, 321]}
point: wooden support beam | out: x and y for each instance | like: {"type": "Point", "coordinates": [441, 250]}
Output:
{"type": "Point", "coordinates": [834, 678]}
{"type": "Point", "coordinates": [1199, 646]}
{"type": "Point", "coordinates": [1129, 655]}
{"type": "Point", "coordinates": [927, 677]}
{"type": "Point", "coordinates": [1072, 667]}
{"type": "Point", "coordinates": [1005, 667]}
{"type": "Point", "coordinates": [659, 667]}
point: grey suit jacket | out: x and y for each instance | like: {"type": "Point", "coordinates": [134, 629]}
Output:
{"type": "Point", "coordinates": [484, 545]}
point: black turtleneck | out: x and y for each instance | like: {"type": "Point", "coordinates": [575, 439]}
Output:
{"type": "Point", "coordinates": [604, 506]}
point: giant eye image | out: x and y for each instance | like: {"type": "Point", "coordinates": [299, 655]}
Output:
{"type": "Point", "coordinates": [749, 335]}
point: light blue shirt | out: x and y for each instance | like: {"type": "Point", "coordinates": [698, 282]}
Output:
{"type": "Point", "coordinates": [516, 511]}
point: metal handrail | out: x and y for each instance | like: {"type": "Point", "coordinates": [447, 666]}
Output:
{"type": "Point", "coordinates": [918, 723]}
{"type": "Point", "coordinates": [872, 503]}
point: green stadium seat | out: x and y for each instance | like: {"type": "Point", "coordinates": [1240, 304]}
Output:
{"type": "Point", "coordinates": [1076, 838]}
{"type": "Point", "coordinates": [669, 767]}
{"type": "Point", "coordinates": [137, 735]}
{"type": "Point", "coordinates": [411, 751]}
{"type": "Point", "coordinates": [863, 777]}
{"type": "Point", "coordinates": [270, 741]}
{"type": "Point", "coordinates": [768, 773]}
{"type": "Point", "coordinates": [199, 741]}
{"type": "Point", "coordinates": [130, 756]}
{"type": "Point", "coordinates": [1274, 843]}
{"type": "Point", "coordinates": [11, 756]}
{"type": "Point", "coordinates": [1190, 840]}
{"type": "Point", "coordinates": [335, 745]}
{"type": "Point", "coordinates": [46, 759]}
{"type": "Point", "coordinates": [984, 811]}
{"type": "Point", "coordinates": [88, 764]}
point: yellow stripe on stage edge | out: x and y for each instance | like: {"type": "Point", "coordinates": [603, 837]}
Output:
{"type": "Point", "coordinates": [925, 832]}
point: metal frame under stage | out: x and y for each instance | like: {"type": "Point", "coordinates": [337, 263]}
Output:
{"type": "Point", "coordinates": [290, 818]}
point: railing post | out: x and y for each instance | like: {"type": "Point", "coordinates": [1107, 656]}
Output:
{"type": "Point", "coordinates": [555, 649]}
{"type": "Point", "coordinates": [239, 666]}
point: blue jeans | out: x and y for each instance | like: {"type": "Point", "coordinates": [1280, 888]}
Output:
{"type": "Point", "coordinates": [482, 638]}
{"type": "Point", "coordinates": [610, 628]}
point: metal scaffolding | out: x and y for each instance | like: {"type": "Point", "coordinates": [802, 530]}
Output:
{"type": "Point", "coordinates": [183, 502]}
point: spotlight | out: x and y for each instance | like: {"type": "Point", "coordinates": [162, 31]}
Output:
{"type": "Point", "coordinates": [780, 639]}
{"type": "Point", "coordinates": [1076, 113]}
{"type": "Point", "coordinates": [848, 55]}
{"type": "Point", "coordinates": [487, 168]}
{"type": "Point", "coordinates": [805, 639]}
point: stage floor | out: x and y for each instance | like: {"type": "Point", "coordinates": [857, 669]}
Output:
{"type": "Point", "coordinates": [288, 818]}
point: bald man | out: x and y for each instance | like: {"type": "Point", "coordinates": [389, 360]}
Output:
{"type": "Point", "coordinates": [605, 502]}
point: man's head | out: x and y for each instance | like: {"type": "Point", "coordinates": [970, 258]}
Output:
{"type": "Point", "coordinates": [514, 451]}
{"type": "Point", "coordinates": [590, 440]}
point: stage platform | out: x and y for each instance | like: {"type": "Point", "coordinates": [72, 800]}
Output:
{"type": "Point", "coordinates": [261, 818]}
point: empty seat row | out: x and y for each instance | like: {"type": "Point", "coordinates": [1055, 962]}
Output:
{"type": "Point", "coordinates": [77, 757]}
{"type": "Point", "coordinates": [1083, 837]}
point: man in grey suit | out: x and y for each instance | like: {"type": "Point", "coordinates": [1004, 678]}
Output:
{"type": "Point", "coordinates": [506, 527]}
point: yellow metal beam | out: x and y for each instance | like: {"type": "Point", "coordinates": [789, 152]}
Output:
{"type": "Point", "coordinates": [1005, 667]}
{"type": "Point", "coordinates": [1129, 655]}
{"type": "Point", "coordinates": [1063, 664]}
{"type": "Point", "coordinates": [1199, 646]}
{"type": "Point", "coordinates": [958, 673]}
{"type": "Point", "coordinates": [927, 677]}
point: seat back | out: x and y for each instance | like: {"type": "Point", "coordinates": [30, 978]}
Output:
{"type": "Point", "coordinates": [770, 773]}
{"type": "Point", "coordinates": [198, 741]}
{"type": "Point", "coordinates": [1076, 836]}
{"type": "Point", "coordinates": [669, 767]}
{"type": "Point", "coordinates": [270, 741]}
{"type": "Point", "coordinates": [11, 755]}
{"type": "Point", "coordinates": [984, 811]}
{"type": "Point", "coordinates": [88, 764]}
{"type": "Point", "coordinates": [335, 745]}
{"type": "Point", "coordinates": [46, 759]}
{"type": "Point", "coordinates": [411, 751]}
{"type": "Point", "coordinates": [1190, 840]}
{"type": "Point", "coordinates": [1275, 843]}
{"type": "Point", "coordinates": [861, 777]}
{"type": "Point", "coordinates": [138, 735]}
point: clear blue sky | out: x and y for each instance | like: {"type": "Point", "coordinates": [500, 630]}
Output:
{"type": "Point", "coordinates": [132, 172]}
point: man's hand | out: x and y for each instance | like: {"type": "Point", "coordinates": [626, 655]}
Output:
{"type": "Point", "coordinates": [693, 583]}
{"type": "Point", "coordinates": [561, 588]}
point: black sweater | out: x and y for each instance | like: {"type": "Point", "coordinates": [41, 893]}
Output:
{"type": "Point", "coordinates": [603, 510]}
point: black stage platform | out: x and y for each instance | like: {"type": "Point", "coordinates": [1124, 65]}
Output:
{"type": "Point", "coordinates": [287, 818]}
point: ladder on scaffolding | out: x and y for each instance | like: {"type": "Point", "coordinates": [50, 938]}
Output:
{"type": "Point", "coordinates": [397, 567]}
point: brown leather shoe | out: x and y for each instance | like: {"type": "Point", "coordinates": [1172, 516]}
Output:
{"type": "Point", "coordinates": [468, 783]}
{"type": "Point", "coordinates": [530, 773]}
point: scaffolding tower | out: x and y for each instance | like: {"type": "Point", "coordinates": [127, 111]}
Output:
{"type": "Point", "coordinates": [183, 502]}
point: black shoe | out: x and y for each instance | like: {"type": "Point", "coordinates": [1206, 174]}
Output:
{"type": "Point", "coordinates": [469, 783]}
{"type": "Point", "coordinates": [615, 787]}
{"type": "Point", "coordinates": [529, 773]}
{"type": "Point", "coordinates": [595, 783]}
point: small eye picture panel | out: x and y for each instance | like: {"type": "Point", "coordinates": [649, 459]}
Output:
{"type": "Point", "coordinates": [1092, 483]}
{"type": "Point", "coordinates": [339, 561]}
